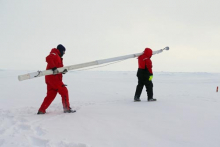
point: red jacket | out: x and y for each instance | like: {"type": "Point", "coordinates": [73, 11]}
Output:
{"type": "Point", "coordinates": [54, 60]}
{"type": "Point", "coordinates": [144, 60]}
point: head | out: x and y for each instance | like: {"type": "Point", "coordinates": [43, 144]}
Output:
{"type": "Point", "coordinates": [62, 49]}
{"type": "Point", "coordinates": [148, 52]}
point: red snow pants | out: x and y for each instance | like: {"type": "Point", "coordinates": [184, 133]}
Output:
{"type": "Point", "coordinates": [52, 90]}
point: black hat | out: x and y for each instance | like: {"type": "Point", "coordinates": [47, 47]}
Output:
{"type": "Point", "coordinates": [61, 48]}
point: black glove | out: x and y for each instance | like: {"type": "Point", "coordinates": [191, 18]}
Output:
{"type": "Point", "coordinates": [55, 70]}
{"type": "Point", "coordinates": [64, 71]}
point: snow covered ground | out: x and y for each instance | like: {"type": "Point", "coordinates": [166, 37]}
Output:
{"type": "Point", "coordinates": [187, 113]}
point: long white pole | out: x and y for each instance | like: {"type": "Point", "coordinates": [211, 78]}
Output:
{"type": "Point", "coordinates": [82, 65]}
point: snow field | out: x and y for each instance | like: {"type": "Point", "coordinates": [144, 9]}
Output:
{"type": "Point", "coordinates": [185, 115]}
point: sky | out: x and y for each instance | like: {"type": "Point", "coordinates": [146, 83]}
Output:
{"type": "Point", "coordinates": [94, 30]}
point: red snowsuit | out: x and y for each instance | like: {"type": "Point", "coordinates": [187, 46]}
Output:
{"type": "Point", "coordinates": [54, 82]}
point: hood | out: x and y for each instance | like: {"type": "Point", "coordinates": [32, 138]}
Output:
{"type": "Point", "coordinates": [56, 51]}
{"type": "Point", "coordinates": [148, 52]}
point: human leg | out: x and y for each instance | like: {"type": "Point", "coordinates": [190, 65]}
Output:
{"type": "Point", "coordinates": [51, 94]}
{"type": "Point", "coordinates": [139, 89]}
{"type": "Point", "coordinates": [149, 89]}
{"type": "Point", "coordinates": [63, 91]}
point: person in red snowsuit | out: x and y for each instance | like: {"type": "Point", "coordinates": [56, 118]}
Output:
{"type": "Point", "coordinates": [145, 75]}
{"type": "Point", "coordinates": [54, 82]}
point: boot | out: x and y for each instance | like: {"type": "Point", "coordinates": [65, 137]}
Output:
{"type": "Point", "coordinates": [136, 99]}
{"type": "Point", "coordinates": [39, 112]}
{"type": "Point", "coordinates": [69, 110]}
{"type": "Point", "coordinates": [152, 100]}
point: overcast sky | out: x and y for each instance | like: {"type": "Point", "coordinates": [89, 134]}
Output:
{"type": "Point", "coordinates": [98, 29]}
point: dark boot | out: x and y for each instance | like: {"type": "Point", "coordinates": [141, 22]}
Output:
{"type": "Point", "coordinates": [39, 112]}
{"type": "Point", "coordinates": [69, 110]}
{"type": "Point", "coordinates": [136, 99]}
{"type": "Point", "coordinates": [152, 100]}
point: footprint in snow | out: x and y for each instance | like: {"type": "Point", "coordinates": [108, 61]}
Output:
{"type": "Point", "coordinates": [34, 141]}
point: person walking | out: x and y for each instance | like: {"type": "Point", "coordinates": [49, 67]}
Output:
{"type": "Point", "coordinates": [54, 82]}
{"type": "Point", "coordinates": [145, 75]}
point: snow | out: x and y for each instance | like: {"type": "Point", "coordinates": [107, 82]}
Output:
{"type": "Point", "coordinates": [187, 113]}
